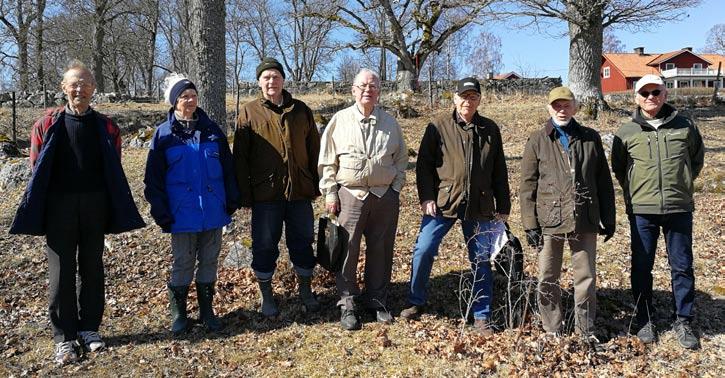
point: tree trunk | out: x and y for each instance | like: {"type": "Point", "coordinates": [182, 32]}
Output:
{"type": "Point", "coordinates": [406, 75]}
{"type": "Point", "coordinates": [585, 52]}
{"type": "Point", "coordinates": [39, 31]}
{"type": "Point", "coordinates": [23, 60]}
{"type": "Point", "coordinates": [206, 65]}
{"type": "Point", "coordinates": [98, 36]}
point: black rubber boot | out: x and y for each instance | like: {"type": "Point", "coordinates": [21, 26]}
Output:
{"type": "Point", "coordinates": [305, 291]}
{"type": "Point", "coordinates": [268, 307]}
{"type": "Point", "coordinates": [177, 305]}
{"type": "Point", "coordinates": [205, 295]}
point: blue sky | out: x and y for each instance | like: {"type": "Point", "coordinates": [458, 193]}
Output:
{"type": "Point", "coordinates": [543, 55]}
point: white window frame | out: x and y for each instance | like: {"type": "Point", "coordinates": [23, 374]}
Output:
{"type": "Point", "coordinates": [606, 72]}
{"type": "Point", "coordinates": [669, 66]}
{"type": "Point", "coordinates": [669, 84]}
{"type": "Point", "coordinates": [696, 66]}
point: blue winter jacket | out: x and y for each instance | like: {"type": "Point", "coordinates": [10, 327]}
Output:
{"type": "Point", "coordinates": [30, 216]}
{"type": "Point", "coordinates": [189, 179]}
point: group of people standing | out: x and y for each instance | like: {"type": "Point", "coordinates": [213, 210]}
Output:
{"type": "Point", "coordinates": [280, 163]}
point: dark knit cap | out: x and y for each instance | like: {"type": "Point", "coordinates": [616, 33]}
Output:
{"type": "Point", "coordinates": [269, 63]}
{"type": "Point", "coordinates": [179, 88]}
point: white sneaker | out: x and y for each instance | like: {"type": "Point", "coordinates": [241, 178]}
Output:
{"type": "Point", "coordinates": [65, 352]}
{"type": "Point", "coordinates": [91, 340]}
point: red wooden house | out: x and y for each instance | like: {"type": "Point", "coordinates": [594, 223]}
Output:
{"type": "Point", "coordinates": [679, 69]}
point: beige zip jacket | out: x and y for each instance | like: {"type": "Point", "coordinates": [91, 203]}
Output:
{"type": "Point", "coordinates": [359, 161]}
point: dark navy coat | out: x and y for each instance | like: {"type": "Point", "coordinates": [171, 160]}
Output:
{"type": "Point", "coordinates": [189, 178]}
{"type": "Point", "coordinates": [30, 216]}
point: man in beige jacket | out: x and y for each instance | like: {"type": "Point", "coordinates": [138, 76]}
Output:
{"type": "Point", "coordinates": [362, 169]}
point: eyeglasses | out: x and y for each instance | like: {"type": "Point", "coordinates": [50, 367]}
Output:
{"type": "Point", "coordinates": [79, 85]}
{"type": "Point", "coordinates": [470, 97]}
{"type": "Point", "coordinates": [363, 87]}
{"type": "Point", "coordinates": [646, 94]}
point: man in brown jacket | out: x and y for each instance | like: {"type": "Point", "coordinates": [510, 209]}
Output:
{"type": "Point", "coordinates": [275, 157]}
{"type": "Point", "coordinates": [566, 195]}
{"type": "Point", "coordinates": [461, 174]}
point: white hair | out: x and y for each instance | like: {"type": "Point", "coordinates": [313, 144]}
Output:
{"type": "Point", "coordinates": [364, 71]}
{"type": "Point", "coordinates": [169, 82]}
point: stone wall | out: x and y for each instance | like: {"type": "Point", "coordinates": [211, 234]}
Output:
{"type": "Point", "coordinates": [47, 99]}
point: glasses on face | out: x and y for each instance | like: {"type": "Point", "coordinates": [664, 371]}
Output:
{"type": "Point", "coordinates": [470, 97]}
{"type": "Point", "coordinates": [362, 87]}
{"type": "Point", "coordinates": [79, 85]}
{"type": "Point", "coordinates": [646, 94]}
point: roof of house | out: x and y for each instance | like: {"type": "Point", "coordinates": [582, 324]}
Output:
{"type": "Point", "coordinates": [667, 56]}
{"type": "Point", "coordinates": [507, 75]}
{"type": "Point", "coordinates": [638, 65]}
{"type": "Point", "coordinates": [632, 64]}
{"type": "Point", "coordinates": [714, 59]}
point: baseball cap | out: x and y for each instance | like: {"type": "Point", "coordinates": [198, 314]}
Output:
{"type": "Point", "coordinates": [468, 84]}
{"type": "Point", "coordinates": [560, 93]}
{"type": "Point", "coordinates": [648, 79]}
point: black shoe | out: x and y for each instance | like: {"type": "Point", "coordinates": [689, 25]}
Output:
{"type": "Point", "coordinates": [647, 333]}
{"type": "Point", "coordinates": [177, 305]}
{"type": "Point", "coordinates": [348, 319]}
{"type": "Point", "coordinates": [685, 336]}
{"type": "Point", "coordinates": [383, 316]}
{"type": "Point", "coordinates": [205, 296]}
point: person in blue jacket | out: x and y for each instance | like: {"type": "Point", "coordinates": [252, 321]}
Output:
{"type": "Point", "coordinates": [191, 187]}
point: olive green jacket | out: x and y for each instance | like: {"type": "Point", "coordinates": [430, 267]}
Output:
{"type": "Point", "coordinates": [563, 193]}
{"type": "Point", "coordinates": [275, 151]}
{"type": "Point", "coordinates": [657, 167]}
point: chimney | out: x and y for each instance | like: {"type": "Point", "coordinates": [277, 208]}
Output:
{"type": "Point", "coordinates": [489, 76]}
{"type": "Point", "coordinates": [639, 50]}
{"type": "Point", "coordinates": [687, 49]}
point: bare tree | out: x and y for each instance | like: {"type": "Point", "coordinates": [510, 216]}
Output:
{"type": "Point", "coordinates": [417, 29]}
{"type": "Point", "coordinates": [716, 40]}
{"type": "Point", "coordinates": [347, 68]}
{"type": "Point", "coordinates": [174, 22]}
{"type": "Point", "coordinates": [18, 16]}
{"type": "Point", "coordinates": [486, 56]}
{"type": "Point", "coordinates": [38, 33]}
{"type": "Point", "coordinates": [587, 20]}
{"type": "Point", "coordinates": [206, 67]}
{"type": "Point", "coordinates": [612, 44]}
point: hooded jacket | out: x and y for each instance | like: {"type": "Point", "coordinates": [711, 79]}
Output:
{"type": "Point", "coordinates": [190, 181]}
{"type": "Point", "coordinates": [657, 167]}
{"type": "Point", "coordinates": [564, 192]}
{"type": "Point", "coordinates": [30, 216]}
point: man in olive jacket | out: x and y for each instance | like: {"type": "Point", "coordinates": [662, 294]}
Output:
{"type": "Point", "coordinates": [656, 157]}
{"type": "Point", "coordinates": [461, 174]}
{"type": "Point", "coordinates": [566, 196]}
{"type": "Point", "coordinates": [275, 157]}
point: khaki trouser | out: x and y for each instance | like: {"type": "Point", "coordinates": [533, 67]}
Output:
{"type": "Point", "coordinates": [583, 257]}
{"type": "Point", "coordinates": [376, 219]}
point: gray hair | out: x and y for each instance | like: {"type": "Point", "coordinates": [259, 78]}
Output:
{"type": "Point", "coordinates": [77, 65]}
{"type": "Point", "coordinates": [364, 71]}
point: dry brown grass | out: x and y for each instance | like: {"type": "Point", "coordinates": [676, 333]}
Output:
{"type": "Point", "coordinates": [136, 318]}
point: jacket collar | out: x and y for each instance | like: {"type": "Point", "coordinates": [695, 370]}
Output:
{"type": "Point", "coordinates": [287, 102]}
{"type": "Point", "coordinates": [202, 118]}
{"type": "Point", "coordinates": [666, 114]}
{"type": "Point", "coordinates": [574, 128]}
{"type": "Point", "coordinates": [477, 120]}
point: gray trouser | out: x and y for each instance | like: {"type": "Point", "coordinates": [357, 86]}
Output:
{"type": "Point", "coordinates": [187, 248]}
{"type": "Point", "coordinates": [376, 219]}
{"type": "Point", "coordinates": [583, 257]}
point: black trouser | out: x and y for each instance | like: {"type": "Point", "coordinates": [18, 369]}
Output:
{"type": "Point", "coordinates": [75, 224]}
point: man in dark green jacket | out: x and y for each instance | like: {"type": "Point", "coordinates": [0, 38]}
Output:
{"type": "Point", "coordinates": [566, 196]}
{"type": "Point", "coordinates": [275, 157]}
{"type": "Point", "coordinates": [656, 157]}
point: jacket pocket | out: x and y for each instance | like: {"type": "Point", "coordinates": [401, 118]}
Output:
{"type": "Point", "coordinates": [444, 195]}
{"type": "Point", "coordinates": [305, 184]}
{"type": "Point", "coordinates": [549, 212]}
{"type": "Point", "coordinates": [593, 210]}
{"type": "Point", "coordinates": [175, 167]}
{"type": "Point", "coordinates": [485, 203]}
{"type": "Point", "coordinates": [350, 172]}
{"type": "Point", "coordinates": [213, 164]}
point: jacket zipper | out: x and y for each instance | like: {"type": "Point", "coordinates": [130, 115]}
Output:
{"type": "Point", "coordinates": [659, 168]}
{"type": "Point", "coordinates": [649, 146]}
{"type": "Point", "coordinates": [667, 150]}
